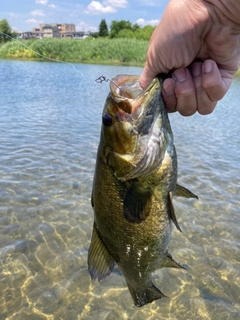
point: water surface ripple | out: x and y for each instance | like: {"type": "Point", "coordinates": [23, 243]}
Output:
{"type": "Point", "coordinates": [50, 120]}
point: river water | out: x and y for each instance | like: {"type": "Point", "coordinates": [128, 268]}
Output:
{"type": "Point", "coordinates": [50, 118]}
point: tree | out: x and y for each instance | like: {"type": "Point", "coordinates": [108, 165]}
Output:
{"type": "Point", "coordinates": [126, 33]}
{"type": "Point", "coordinates": [135, 27]}
{"type": "Point", "coordinates": [144, 33]}
{"type": "Point", "coordinates": [117, 26]}
{"type": "Point", "coordinates": [6, 29]}
{"type": "Point", "coordinates": [103, 29]}
{"type": "Point", "coordinates": [95, 34]}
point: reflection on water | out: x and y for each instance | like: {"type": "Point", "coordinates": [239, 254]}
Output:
{"type": "Point", "coordinates": [49, 125]}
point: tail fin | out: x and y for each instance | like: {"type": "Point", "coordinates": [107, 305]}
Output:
{"type": "Point", "coordinates": [144, 294]}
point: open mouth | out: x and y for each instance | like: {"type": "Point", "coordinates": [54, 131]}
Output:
{"type": "Point", "coordinates": [127, 95]}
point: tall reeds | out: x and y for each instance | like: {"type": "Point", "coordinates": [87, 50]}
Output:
{"type": "Point", "coordinates": [107, 51]}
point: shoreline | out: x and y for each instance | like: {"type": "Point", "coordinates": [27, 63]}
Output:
{"type": "Point", "coordinates": [108, 63]}
{"type": "Point", "coordinates": [104, 62]}
{"type": "Point", "coordinates": [102, 51]}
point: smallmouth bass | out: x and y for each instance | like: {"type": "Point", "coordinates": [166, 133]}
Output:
{"type": "Point", "coordinates": [135, 179]}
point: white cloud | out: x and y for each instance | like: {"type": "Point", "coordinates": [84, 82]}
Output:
{"type": "Point", "coordinates": [52, 6]}
{"type": "Point", "coordinates": [96, 7]}
{"type": "Point", "coordinates": [37, 13]}
{"type": "Point", "coordinates": [44, 2]}
{"type": "Point", "coordinates": [82, 26]}
{"type": "Point", "coordinates": [116, 3]}
{"type": "Point", "coordinates": [142, 23]}
{"type": "Point", "coordinates": [31, 21]}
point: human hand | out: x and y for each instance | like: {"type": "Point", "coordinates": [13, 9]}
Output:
{"type": "Point", "coordinates": [191, 30]}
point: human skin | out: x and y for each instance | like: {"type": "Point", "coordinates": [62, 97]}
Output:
{"type": "Point", "coordinates": [199, 43]}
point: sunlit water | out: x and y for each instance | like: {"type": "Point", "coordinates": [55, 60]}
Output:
{"type": "Point", "coordinates": [50, 118]}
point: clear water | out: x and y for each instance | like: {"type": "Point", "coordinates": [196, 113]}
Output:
{"type": "Point", "coordinates": [50, 121]}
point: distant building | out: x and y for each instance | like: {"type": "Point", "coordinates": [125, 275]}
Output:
{"type": "Point", "coordinates": [75, 35]}
{"type": "Point", "coordinates": [67, 28]}
{"type": "Point", "coordinates": [50, 31]}
{"type": "Point", "coordinates": [54, 30]}
{"type": "Point", "coordinates": [37, 33]}
{"type": "Point", "coordinates": [25, 35]}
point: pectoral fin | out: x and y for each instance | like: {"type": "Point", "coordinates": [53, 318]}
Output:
{"type": "Point", "coordinates": [184, 192]}
{"type": "Point", "coordinates": [137, 204]}
{"type": "Point", "coordinates": [172, 212]}
{"type": "Point", "coordinates": [100, 262]}
{"type": "Point", "coordinates": [169, 262]}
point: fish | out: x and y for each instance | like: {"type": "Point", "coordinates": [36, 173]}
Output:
{"type": "Point", "coordinates": [134, 181]}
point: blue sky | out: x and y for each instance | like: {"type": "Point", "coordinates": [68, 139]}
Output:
{"type": "Point", "coordinates": [85, 14]}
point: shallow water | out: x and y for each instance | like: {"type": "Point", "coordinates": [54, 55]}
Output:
{"type": "Point", "coordinates": [50, 119]}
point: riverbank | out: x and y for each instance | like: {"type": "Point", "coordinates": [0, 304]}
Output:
{"type": "Point", "coordinates": [130, 52]}
{"type": "Point", "coordinates": [95, 51]}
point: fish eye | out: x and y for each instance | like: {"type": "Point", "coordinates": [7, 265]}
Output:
{"type": "Point", "coordinates": [107, 119]}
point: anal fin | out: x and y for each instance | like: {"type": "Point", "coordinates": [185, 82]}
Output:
{"type": "Point", "coordinates": [169, 262]}
{"type": "Point", "coordinates": [172, 211]}
{"type": "Point", "coordinates": [100, 262]}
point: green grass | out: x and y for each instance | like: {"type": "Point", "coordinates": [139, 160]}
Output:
{"type": "Point", "coordinates": [102, 51]}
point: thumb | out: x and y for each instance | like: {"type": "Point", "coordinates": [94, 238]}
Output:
{"type": "Point", "coordinates": [147, 76]}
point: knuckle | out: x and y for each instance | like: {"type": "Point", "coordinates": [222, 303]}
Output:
{"type": "Point", "coordinates": [184, 92]}
{"type": "Point", "coordinates": [207, 108]}
{"type": "Point", "coordinates": [214, 88]}
{"type": "Point", "coordinates": [187, 112]}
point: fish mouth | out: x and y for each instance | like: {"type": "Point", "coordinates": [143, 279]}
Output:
{"type": "Point", "coordinates": [129, 98]}
{"type": "Point", "coordinates": [140, 116]}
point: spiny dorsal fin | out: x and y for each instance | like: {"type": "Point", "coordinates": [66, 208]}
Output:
{"type": "Point", "coordinates": [169, 262]}
{"type": "Point", "coordinates": [137, 204]}
{"type": "Point", "coordinates": [100, 262]}
{"type": "Point", "coordinates": [172, 212]}
{"type": "Point", "coordinates": [184, 192]}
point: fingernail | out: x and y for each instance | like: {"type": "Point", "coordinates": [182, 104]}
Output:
{"type": "Point", "coordinates": [179, 75]}
{"type": "Point", "coordinates": [196, 69]}
{"type": "Point", "coordinates": [168, 88]}
{"type": "Point", "coordinates": [207, 66]}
